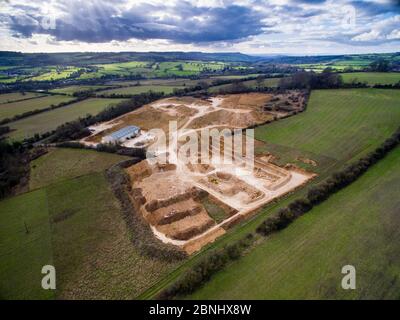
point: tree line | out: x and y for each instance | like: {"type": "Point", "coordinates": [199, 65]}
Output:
{"type": "Point", "coordinates": [12, 166]}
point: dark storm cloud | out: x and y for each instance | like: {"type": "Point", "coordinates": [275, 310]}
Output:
{"type": "Point", "coordinates": [100, 21]}
{"type": "Point", "coordinates": [375, 8]}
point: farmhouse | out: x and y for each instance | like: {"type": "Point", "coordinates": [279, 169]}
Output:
{"type": "Point", "coordinates": [122, 135]}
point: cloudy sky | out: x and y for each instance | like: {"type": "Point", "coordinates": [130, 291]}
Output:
{"type": "Point", "coordinates": [248, 26]}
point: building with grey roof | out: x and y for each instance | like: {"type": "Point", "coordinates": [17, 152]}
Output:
{"type": "Point", "coordinates": [122, 135]}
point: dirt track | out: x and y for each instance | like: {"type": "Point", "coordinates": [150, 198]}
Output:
{"type": "Point", "coordinates": [170, 195]}
{"type": "Point", "coordinates": [234, 185]}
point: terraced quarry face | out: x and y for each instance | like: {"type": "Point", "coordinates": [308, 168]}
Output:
{"type": "Point", "coordinates": [187, 201]}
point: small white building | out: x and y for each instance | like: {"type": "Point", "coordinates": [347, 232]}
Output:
{"type": "Point", "coordinates": [122, 135]}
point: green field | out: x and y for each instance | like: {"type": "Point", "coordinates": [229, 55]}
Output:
{"type": "Point", "coordinates": [337, 124]}
{"type": "Point", "coordinates": [70, 90]}
{"type": "Point", "coordinates": [355, 62]}
{"type": "Point", "coordinates": [75, 224]}
{"type": "Point", "coordinates": [178, 81]}
{"type": "Point", "coordinates": [141, 89]}
{"type": "Point", "coordinates": [60, 164]}
{"type": "Point", "coordinates": [25, 246]}
{"type": "Point", "coordinates": [16, 96]}
{"type": "Point", "coordinates": [372, 77]}
{"type": "Point", "coordinates": [55, 74]}
{"type": "Point", "coordinates": [155, 69]}
{"type": "Point", "coordinates": [9, 110]}
{"type": "Point", "coordinates": [269, 82]}
{"type": "Point", "coordinates": [50, 120]}
{"type": "Point", "coordinates": [92, 250]}
{"type": "Point", "coordinates": [358, 226]}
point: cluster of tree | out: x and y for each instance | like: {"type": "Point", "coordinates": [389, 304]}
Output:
{"type": "Point", "coordinates": [312, 80]}
{"type": "Point", "coordinates": [4, 130]}
{"type": "Point", "coordinates": [139, 153]}
{"type": "Point", "coordinates": [388, 86]}
{"type": "Point", "coordinates": [202, 271]}
{"type": "Point", "coordinates": [358, 84]}
{"type": "Point", "coordinates": [380, 65]}
{"type": "Point", "coordinates": [216, 260]}
{"type": "Point", "coordinates": [13, 166]}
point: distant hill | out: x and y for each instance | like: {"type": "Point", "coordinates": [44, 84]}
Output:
{"type": "Point", "coordinates": [8, 58]}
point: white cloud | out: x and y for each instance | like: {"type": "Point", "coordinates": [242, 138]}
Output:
{"type": "Point", "coordinates": [368, 36]}
{"type": "Point", "coordinates": [283, 26]}
{"type": "Point", "coordinates": [395, 34]}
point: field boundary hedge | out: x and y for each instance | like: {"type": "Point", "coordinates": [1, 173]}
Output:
{"type": "Point", "coordinates": [215, 261]}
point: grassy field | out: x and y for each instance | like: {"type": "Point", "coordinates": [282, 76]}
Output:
{"type": "Point", "coordinates": [372, 77]}
{"type": "Point", "coordinates": [8, 110]}
{"type": "Point", "coordinates": [70, 90]}
{"type": "Point", "coordinates": [178, 81]}
{"type": "Point", "coordinates": [92, 251]}
{"type": "Point", "coordinates": [55, 74]}
{"type": "Point", "coordinates": [141, 89]}
{"type": "Point", "coordinates": [355, 62]}
{"type": "Point", "coordinates": [359, 226]}
{"type": "Point", "coordinates": [50, 120]}
{"type": "Point", "coordinates": [16, 96]}
{"type": "Point", "coordinates": [75, 224]}
{"type": "Point", "coordinates": [60, 164]}
{"type": "Point", "coordinates": [25, 246]}
{"type": "Point", "coordinates": [338, 124]}
{"type": "Point", "coordinates": [156, 69]}
{"type": "Point", "coordinates": [269, 82]}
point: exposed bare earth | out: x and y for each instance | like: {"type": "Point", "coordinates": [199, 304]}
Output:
{"type": "Point", "coordinates": [170, 195]}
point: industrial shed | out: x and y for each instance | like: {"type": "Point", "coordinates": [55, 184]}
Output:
{"type": "Point", "coordinates": [122, 135]}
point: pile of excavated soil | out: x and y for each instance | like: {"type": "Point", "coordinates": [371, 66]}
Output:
{"type": "Point", "coordinates": [191, 193]}
{"type": "Point", "coordinates": [174, 212]}
{"type": "Point", "coordinates": [139, 171]}
{"type": "Point", "coordinates": [187, 227]}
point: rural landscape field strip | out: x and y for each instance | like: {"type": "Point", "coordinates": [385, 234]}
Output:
{"type": "Point", "coordinates": [70, 90]}
{"type": "Point", "coordinates": [372, 77]}
{"type": "Point", "coordinates": [92, 248]}
{"type": "Point", "coordinates": [9, 110]}
{"type": "Point", "coordinates": [18, 96]}
{"type": "Point", "coordinates": [304, 261]}
{"type": "Point", "coordinates": [62, 164]}
{"type": "Point", "coordinates": [269, 82]}
{"type": "Point", "coordinates": [339, 124]}
{"type": "Point", "coordinates": [141, 89]}
{"type": "Point", "coordinates": [50, 120]}
{"type": "Point", "coordinates": [25, 246]}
